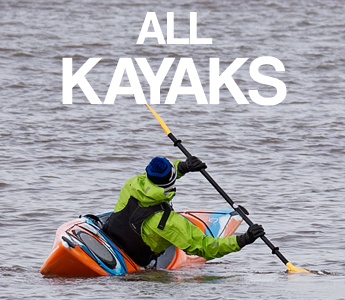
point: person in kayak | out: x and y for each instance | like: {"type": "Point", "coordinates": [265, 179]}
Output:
{"type": "Point", "coordinates": [145, 225]}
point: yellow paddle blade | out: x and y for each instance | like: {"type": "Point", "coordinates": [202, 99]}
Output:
{"type": "Point", "coordinates": [164, 126]}
{"type": "Point", "coordinates": [293, 269]}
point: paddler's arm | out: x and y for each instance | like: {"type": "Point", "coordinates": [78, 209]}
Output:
{"type": "Point", "coordinates": [176, 163]}
{"type": "Point", "coordinates": [186, 236]}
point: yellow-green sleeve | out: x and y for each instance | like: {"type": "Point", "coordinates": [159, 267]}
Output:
{"type": "Point", "coordinates": [183, 234]}
{"type": "Point", "coordinates": [179, 174]}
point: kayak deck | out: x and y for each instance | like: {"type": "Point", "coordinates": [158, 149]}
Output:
{"type": "Point", "coordinates": [81, 248]}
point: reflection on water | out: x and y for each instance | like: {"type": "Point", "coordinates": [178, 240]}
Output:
{"type": "Point", "coordinates": [162, 276]}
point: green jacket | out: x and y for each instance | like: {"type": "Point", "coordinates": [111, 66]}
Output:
{"type": "Point", "coordinates": [178, 230]}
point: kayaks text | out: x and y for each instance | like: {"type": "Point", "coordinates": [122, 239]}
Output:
{"type": "Point", "coordinates": [185, 66]}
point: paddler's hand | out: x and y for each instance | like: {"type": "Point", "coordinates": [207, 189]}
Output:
{"type": "Point", "coordinates": [255, 231]}
{"type": "Point", "coordinates": [192, 164]}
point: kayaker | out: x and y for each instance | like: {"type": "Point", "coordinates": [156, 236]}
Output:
{"type": "Point", "coordinates": [144, 223]}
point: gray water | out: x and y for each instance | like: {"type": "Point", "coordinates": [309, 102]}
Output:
{"type": "Point", "coordinates": [284, 163]}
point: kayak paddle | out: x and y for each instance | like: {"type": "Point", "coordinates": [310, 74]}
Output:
{"type": "Point", "coordinates": [237, 208]}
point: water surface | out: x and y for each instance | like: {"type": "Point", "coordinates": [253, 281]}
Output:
{"type": "Point", "coordinates": [284, 163]}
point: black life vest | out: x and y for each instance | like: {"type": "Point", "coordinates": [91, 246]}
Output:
{"type": "Point", "coordinates": [124, 227]}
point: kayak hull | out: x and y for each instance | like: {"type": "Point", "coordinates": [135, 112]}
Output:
{"type": "Point", "coordinates": [81, 248]}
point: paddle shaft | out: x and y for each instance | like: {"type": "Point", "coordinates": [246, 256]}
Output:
{"type": "Point", "coordinates": [238, 209]}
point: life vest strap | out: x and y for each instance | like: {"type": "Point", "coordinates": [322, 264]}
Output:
{"type": "Point", "coordinates": [167, 209]}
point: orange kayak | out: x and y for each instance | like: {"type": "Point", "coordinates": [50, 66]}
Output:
{"type": "Point", "coordinates": [81, 248]}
